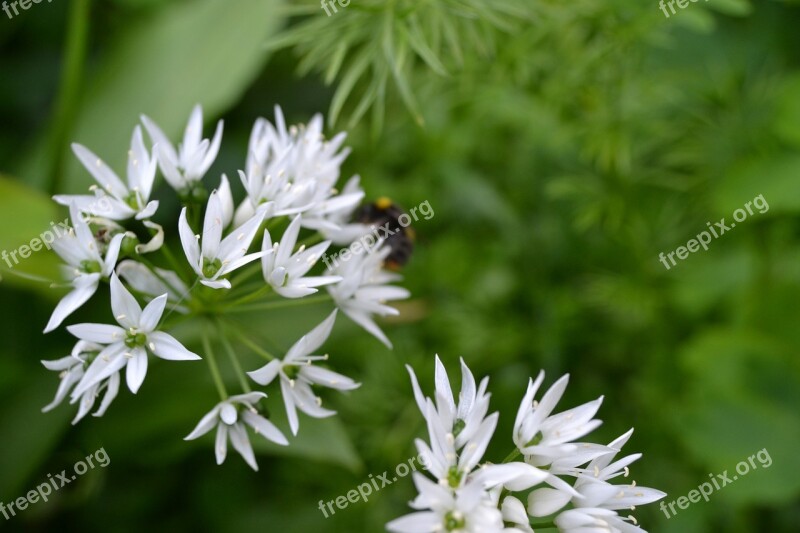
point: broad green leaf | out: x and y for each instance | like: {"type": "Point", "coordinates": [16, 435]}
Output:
{"type": "Point", "coordinates": [787, 115]}
{"type": "Point", "coordinates": [774, 178]}
{"type": "Point", "coordinates": [743, 399]}
{"type": "Point", "coordinates": [28, 435]}
{"type": "Point", "coordinates": [198, 51]}
{"type": "Point", "coordinates": [28, 219]}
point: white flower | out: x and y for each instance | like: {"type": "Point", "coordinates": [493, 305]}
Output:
{"type": "Point", "coordinates": [468, 510]}
{"type": "Point", "coordinates": [544, 438]}
{"type": "Point", "coordinates": [298, 373]}
{"type": "Point", "coordinates": [113, 199]}
{"type": "Point", "coordinates": [71, 369]}
{"type": "Point", "coordinates": [598, 500]}
{"type": "Point", "coordinates": [462, 420]}
{"type": "Point", "coordinates": [187, 165]}
{"type": "Point", "coordinates": [230, 418]}
{"type": "Point", "coordinates": [218, 257]}
{"type": "Point", "coordinates": [85, 265]}
{"type": "Point", "coordinates": [295, 171]}
{"type": "Point", "coordinates": [364, 289]}
{"type": "Point", "coordinates": [285, 272]}
{"type": "Point", "coordinates": [127, 345]}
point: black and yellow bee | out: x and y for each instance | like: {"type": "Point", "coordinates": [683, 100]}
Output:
{"type": "Point", "coordinates": [386, 215]}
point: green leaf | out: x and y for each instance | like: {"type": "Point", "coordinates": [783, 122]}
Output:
{"type": "Point", "coordinates": [26, 217]}
{"type": "Point", "coordinates": [28, 435]}
{"type": "Point", "coordinates": [774, 178]}
{"type": "Point", "coordinates": [787, 115]}
{"type": "Point", "coordinates": [744, 393]}
{"type": "Point", "coordinates": [201, 51]}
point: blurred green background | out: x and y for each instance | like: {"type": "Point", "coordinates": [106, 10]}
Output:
{"type": "Point", "coordinates": [562, 145]}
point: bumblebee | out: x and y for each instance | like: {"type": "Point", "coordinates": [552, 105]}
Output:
{"type": "Point", "coordinates": [387, 216]}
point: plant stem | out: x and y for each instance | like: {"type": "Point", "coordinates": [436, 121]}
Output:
{"type": "Point", "coordinates": [252, 296]}
{"type": "Point", "coordinates": [69, 89]}
{"type": "Point", "coordinates": [234, 360]}
{"type": "Point", "coordinates": [511, 456]}
{"type": "Point", "coordinates": [212, 364]}
{"type": "Point", "coordinates": [252, 345]}
{"type": "Point", "coordinates": [281, 304]}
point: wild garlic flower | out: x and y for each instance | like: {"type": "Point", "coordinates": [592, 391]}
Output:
{"type": "Point", "coordinates": [290, 178]}
{"type": "Point", "coordinates": [85, 267]}
{"type": "Point", "coordinates": [286, 273]}
{"type": "Point", "coordinates": [185, 166]}
{"type": "Point", "coordinates": [298, 373]}
{"type": "Point", "coordinates": [127, 344]}
{"type": "Point", "coordinates": [231, 417]}
{"type": "Point", "coordinates": [211, 256]}
{"type": "Point", "coordinates": [364, 289]}
{"type": "Point", "coordinates": [466, 495]}
{"type": "Point", "coordinates": [113, 199]}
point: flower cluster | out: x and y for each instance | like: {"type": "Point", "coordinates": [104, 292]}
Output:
{"type": "Point", "coordinates": [291, 214]}
{"type": "Point", "coordinates": [570, 479]}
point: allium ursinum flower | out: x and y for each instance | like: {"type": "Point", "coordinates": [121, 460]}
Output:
{"type": "Point", "coordinates": [113, 199]}
{"type": "Point", "coordinates": [185, 167]}
{"type": "Point", "coordinates": [286, 273]}
{"type": "Point", "coordinates": [127, 345]}
{"type": "Point", "coordinates": [364, 289]}
{"type": "Point", "coordinates": [469, 509]}
{"type": "Point", "coordinates": [298, 373]}
{"type": "Point", "coordinates": [599, 500]}
{"type": "Point", "coordinates": [211, 256]}
{"type": "Point", "coordinates": [290, 181]}
{"type": "Point", "coordinates": [71, 369]}
{"type": "Point", "coordinates": [462, 420]}
{"type": "Point", "coordinates": [85, 267]}
{"type": "Point", "coordinates": [295, 171]}
{"type": "Point", "coordinates": [544, 438]}
{"type": "Point", "coordinates": [231, 417]}
{"type": "Point", "coordinates": [492, 487]}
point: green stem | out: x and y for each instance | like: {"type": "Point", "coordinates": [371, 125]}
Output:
{"type": "Point", "coordinates": [234, 360]}
{"type": "Point", "coordinates": [282, 304]}
{"type": "Point", "coordinates": [246, 274]}
{"type": "Point", "coordinates": [513, 455]}
{"type": "Point", "coordinates": [212, 365]}
{"type": "Point", "coordinates": [252, 345]}
{"type": "Point", "coordinates": [252, 296]}
{"type": "Point", "coordinates": [69, 89]}
{"type": "Point", "coordinates": [172, 261]}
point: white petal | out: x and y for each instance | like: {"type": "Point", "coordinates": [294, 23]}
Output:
{"type": "Point", "coordinates": [267, 373]}
{"type": "Point", "coordinates": [102, 333]}
{"type": "Point", "coordinates": [165, 346]}
{"type": "Point", "coordinates": [136, 369]}
{"type": "Point", "coordinates": [205, 425]}
{"type": "Point", "coordinates": [124, 306]}
{"type": "Point", "coordinates": [152, 313]}
{"type": "Point", "coordinates": [264, 427]}
{"type": "Point", "coordinates": [546, 501]}
{"type": "Point", "coordinates": [112, 389]}
{"type": "Point", "coordinates": [212, 227]}
{"type": "Point", "coordinates": [221, 444]}
{"type": "Point", "coordinates": [191, 248]}
{"type": "Point", "coordinates": [85, 287]}
{"type": "Point", "coordinates": [241, 444]}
